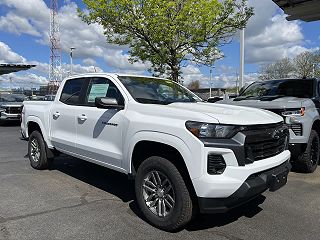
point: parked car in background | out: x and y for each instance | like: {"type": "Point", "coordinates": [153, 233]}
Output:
{"type": "Point", "coordinates": [10, 107]}
{"type": "Point", "coordinates": [49, 97]}
{"type": "Point", "coordinates": [297, 101]}
{"type": "Point", "coordinates": [214, 99]}
{"type": "Point", "coordinates": [184, 154]}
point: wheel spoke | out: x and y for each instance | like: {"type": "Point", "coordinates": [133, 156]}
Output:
{"type": "Point", "coordinates": [159, 208]}
{"type": "Point", "coordinates": [163, 206]}
{"type": "Point", "coordinates": [150, 197]}
{"type": "Point", "coordinates": [158, 178]}
{"type": "Point", "coordinates": [154, 202]}
{"type": "Point", "coordinates": [149, 188]}
{"type": "Point", "coordinates": [154, 178]}
{"type": "Point", "coordinates": [169, 198]}
{"type": "Point", "coordinates": [151, 184]}
{"type": "Point", "coordinates": [168, 203]}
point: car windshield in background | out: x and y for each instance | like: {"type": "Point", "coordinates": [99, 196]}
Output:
{"type": "Point", "coordinates": [278, 88]}
{"type": "Point", "coordinates": [157, 91]}
{"type": "Point", "coordinates": [12, 98]}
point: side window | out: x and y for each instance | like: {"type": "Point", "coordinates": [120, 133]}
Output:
{"type": "Point", "coordinates": [71, 91]}
{"type": "Point", "coordinates": [102, 87]}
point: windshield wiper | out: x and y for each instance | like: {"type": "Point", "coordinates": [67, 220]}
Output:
{"type": "Point", "coordinates": [152, 101]}
{"type": "Point", "coordinates": [240, 98]}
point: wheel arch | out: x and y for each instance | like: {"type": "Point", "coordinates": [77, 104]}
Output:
{"type": "Point", "coordinates": [34, 123]}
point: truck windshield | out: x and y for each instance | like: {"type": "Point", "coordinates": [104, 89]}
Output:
{"type": "Point", "coordinates": [157, 91]}
{"type": "Point", "coordinates": [278, 88]}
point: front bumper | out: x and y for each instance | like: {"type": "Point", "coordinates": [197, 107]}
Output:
{"type": "Point", "coordinates": [9, 117]}
{"type": "Point", "coordinates": [253, 186]}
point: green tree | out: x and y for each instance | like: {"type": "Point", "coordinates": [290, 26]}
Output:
{"type": "Point", "coordinates": [194, 85]}
{"type": "Point", "coordinates": [168, 33]}
{"type": "Point", "coordinates": [307, 64]}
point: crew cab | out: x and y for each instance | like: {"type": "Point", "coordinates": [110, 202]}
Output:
{"type": "Point", "coordinates": [183, 153]}
{"type": "Point", "coordinates": [298, 102]}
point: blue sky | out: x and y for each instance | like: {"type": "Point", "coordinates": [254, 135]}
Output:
{"type": "Point", "coordinates": [24, 29]}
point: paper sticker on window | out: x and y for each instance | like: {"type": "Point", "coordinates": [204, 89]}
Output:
{"type": "Point", "coordinates": [98, 90]}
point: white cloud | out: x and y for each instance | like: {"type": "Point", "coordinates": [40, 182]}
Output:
{"type": "Point", "coordinates": [88, 40]}
{"type": "Point", "coordinates": [89, 62]}
{"type": "Point", "coordinates": [219, 80]}
{"type": "Point", "coordinates": [279, 39]}
{"type": "Point", "coordinates": [8, 56]}
{"type": "Point", "coordinates": [15, 24]}
{"type": "Point", "coordinates": [120, 61]}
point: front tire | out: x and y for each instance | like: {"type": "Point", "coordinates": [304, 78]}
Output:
{"type": "Point", "coordinates": [162, 194]}
{"type": "Point", "coordinates": [37, 151]}
{"type": "Point", "coordinates": [308, 161]}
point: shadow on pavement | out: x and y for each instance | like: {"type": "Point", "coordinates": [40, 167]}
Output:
{"type": "Point", "coordinates": [10, 123]}
{"type": "Point", "coordinates": [248, 210]}
{"type": "Point", "coordinates": [100, 177]}
{"type": "Point", "coordinates": [118, 184]}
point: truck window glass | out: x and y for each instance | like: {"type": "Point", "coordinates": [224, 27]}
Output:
{"type": "Point", "coordinates": [102, 87]}
{"type": "Point", "coordinates": [157, 91]}
{"type": "Point", "coordinates": [71, 91]}
{"type": "Point", "coordinates": [292, 88]}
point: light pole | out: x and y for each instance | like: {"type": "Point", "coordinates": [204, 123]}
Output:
{"type": "Point", "coordinates": [241, 57]}
{"type": "Point", "coordinates": [211, 80]}
{"type": "Point", "coordinates": [71, 60]}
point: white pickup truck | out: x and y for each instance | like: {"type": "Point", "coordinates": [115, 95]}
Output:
{"type": "Point", "coordinates": [184, 154]}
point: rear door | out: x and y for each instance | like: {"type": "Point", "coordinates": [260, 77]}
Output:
{"type": "Point", "coordinates": [99, 131]}
{"type": "Point", "coordinates": [63, 115]}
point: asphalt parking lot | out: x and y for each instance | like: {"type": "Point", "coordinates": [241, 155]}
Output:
{"type": "Point", "coordinates": [80, 200]}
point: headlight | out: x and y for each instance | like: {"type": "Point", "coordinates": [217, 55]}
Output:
{"type": "Point", "coordinates": [298, 111]}
{"type": "Point", "coordinates": [209, 130]}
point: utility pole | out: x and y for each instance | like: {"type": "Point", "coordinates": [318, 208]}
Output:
{"type": "Point", "coordinates": [55, 74]}
{"type": "Point", "coordinates": [241, 57]}
{"type": "Point", "coordinates": [71, 59]}
{"type": "Point", "coordinates": [210, 82]}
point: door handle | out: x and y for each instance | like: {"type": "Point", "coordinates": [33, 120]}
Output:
{"type": "Point", "coordinates": [82, 117]}
{"type": "Point", "coordinates": [56, 114]}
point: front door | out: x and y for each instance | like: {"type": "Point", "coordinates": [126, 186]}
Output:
{"type": "Point", "coordinates": [99, 131]}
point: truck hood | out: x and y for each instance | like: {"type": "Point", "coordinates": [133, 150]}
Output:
{"type": "Point", "coordinates": [228, 114]}
{"type": "Point", "coordinates": [279, 103]}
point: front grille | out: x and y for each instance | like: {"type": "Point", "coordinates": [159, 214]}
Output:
{"type": "Point", "coordinates": [216, 164]}
{"type": "Point", "coordinates": [265, 142]}
{"type": "Point", "coordinates": [296, 128]}
{"type": "Point", "coordinates": [13, 110]}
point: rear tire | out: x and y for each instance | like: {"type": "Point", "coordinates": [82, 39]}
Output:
{"type": "Point", "coordinates": [308, 161]}
{"type": "Point", "coordinates": [37, 151]}
{"type": "Point", "coordinates": [166, 209]}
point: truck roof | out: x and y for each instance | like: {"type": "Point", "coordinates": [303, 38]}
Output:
{"type": "Point", "coordinates": [286, 79]}
{"type": "Point", "coordinates": [112, 75]}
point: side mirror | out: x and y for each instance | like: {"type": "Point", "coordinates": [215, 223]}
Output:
{"type": "Point", "coordinates": [107, 103]}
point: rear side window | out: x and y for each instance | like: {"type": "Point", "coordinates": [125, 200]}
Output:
{"type": "Point", "coordinates": [71, 91]}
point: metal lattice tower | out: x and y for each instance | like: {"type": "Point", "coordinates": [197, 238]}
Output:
{"type": "Point", "coordinates": [55, 71]}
